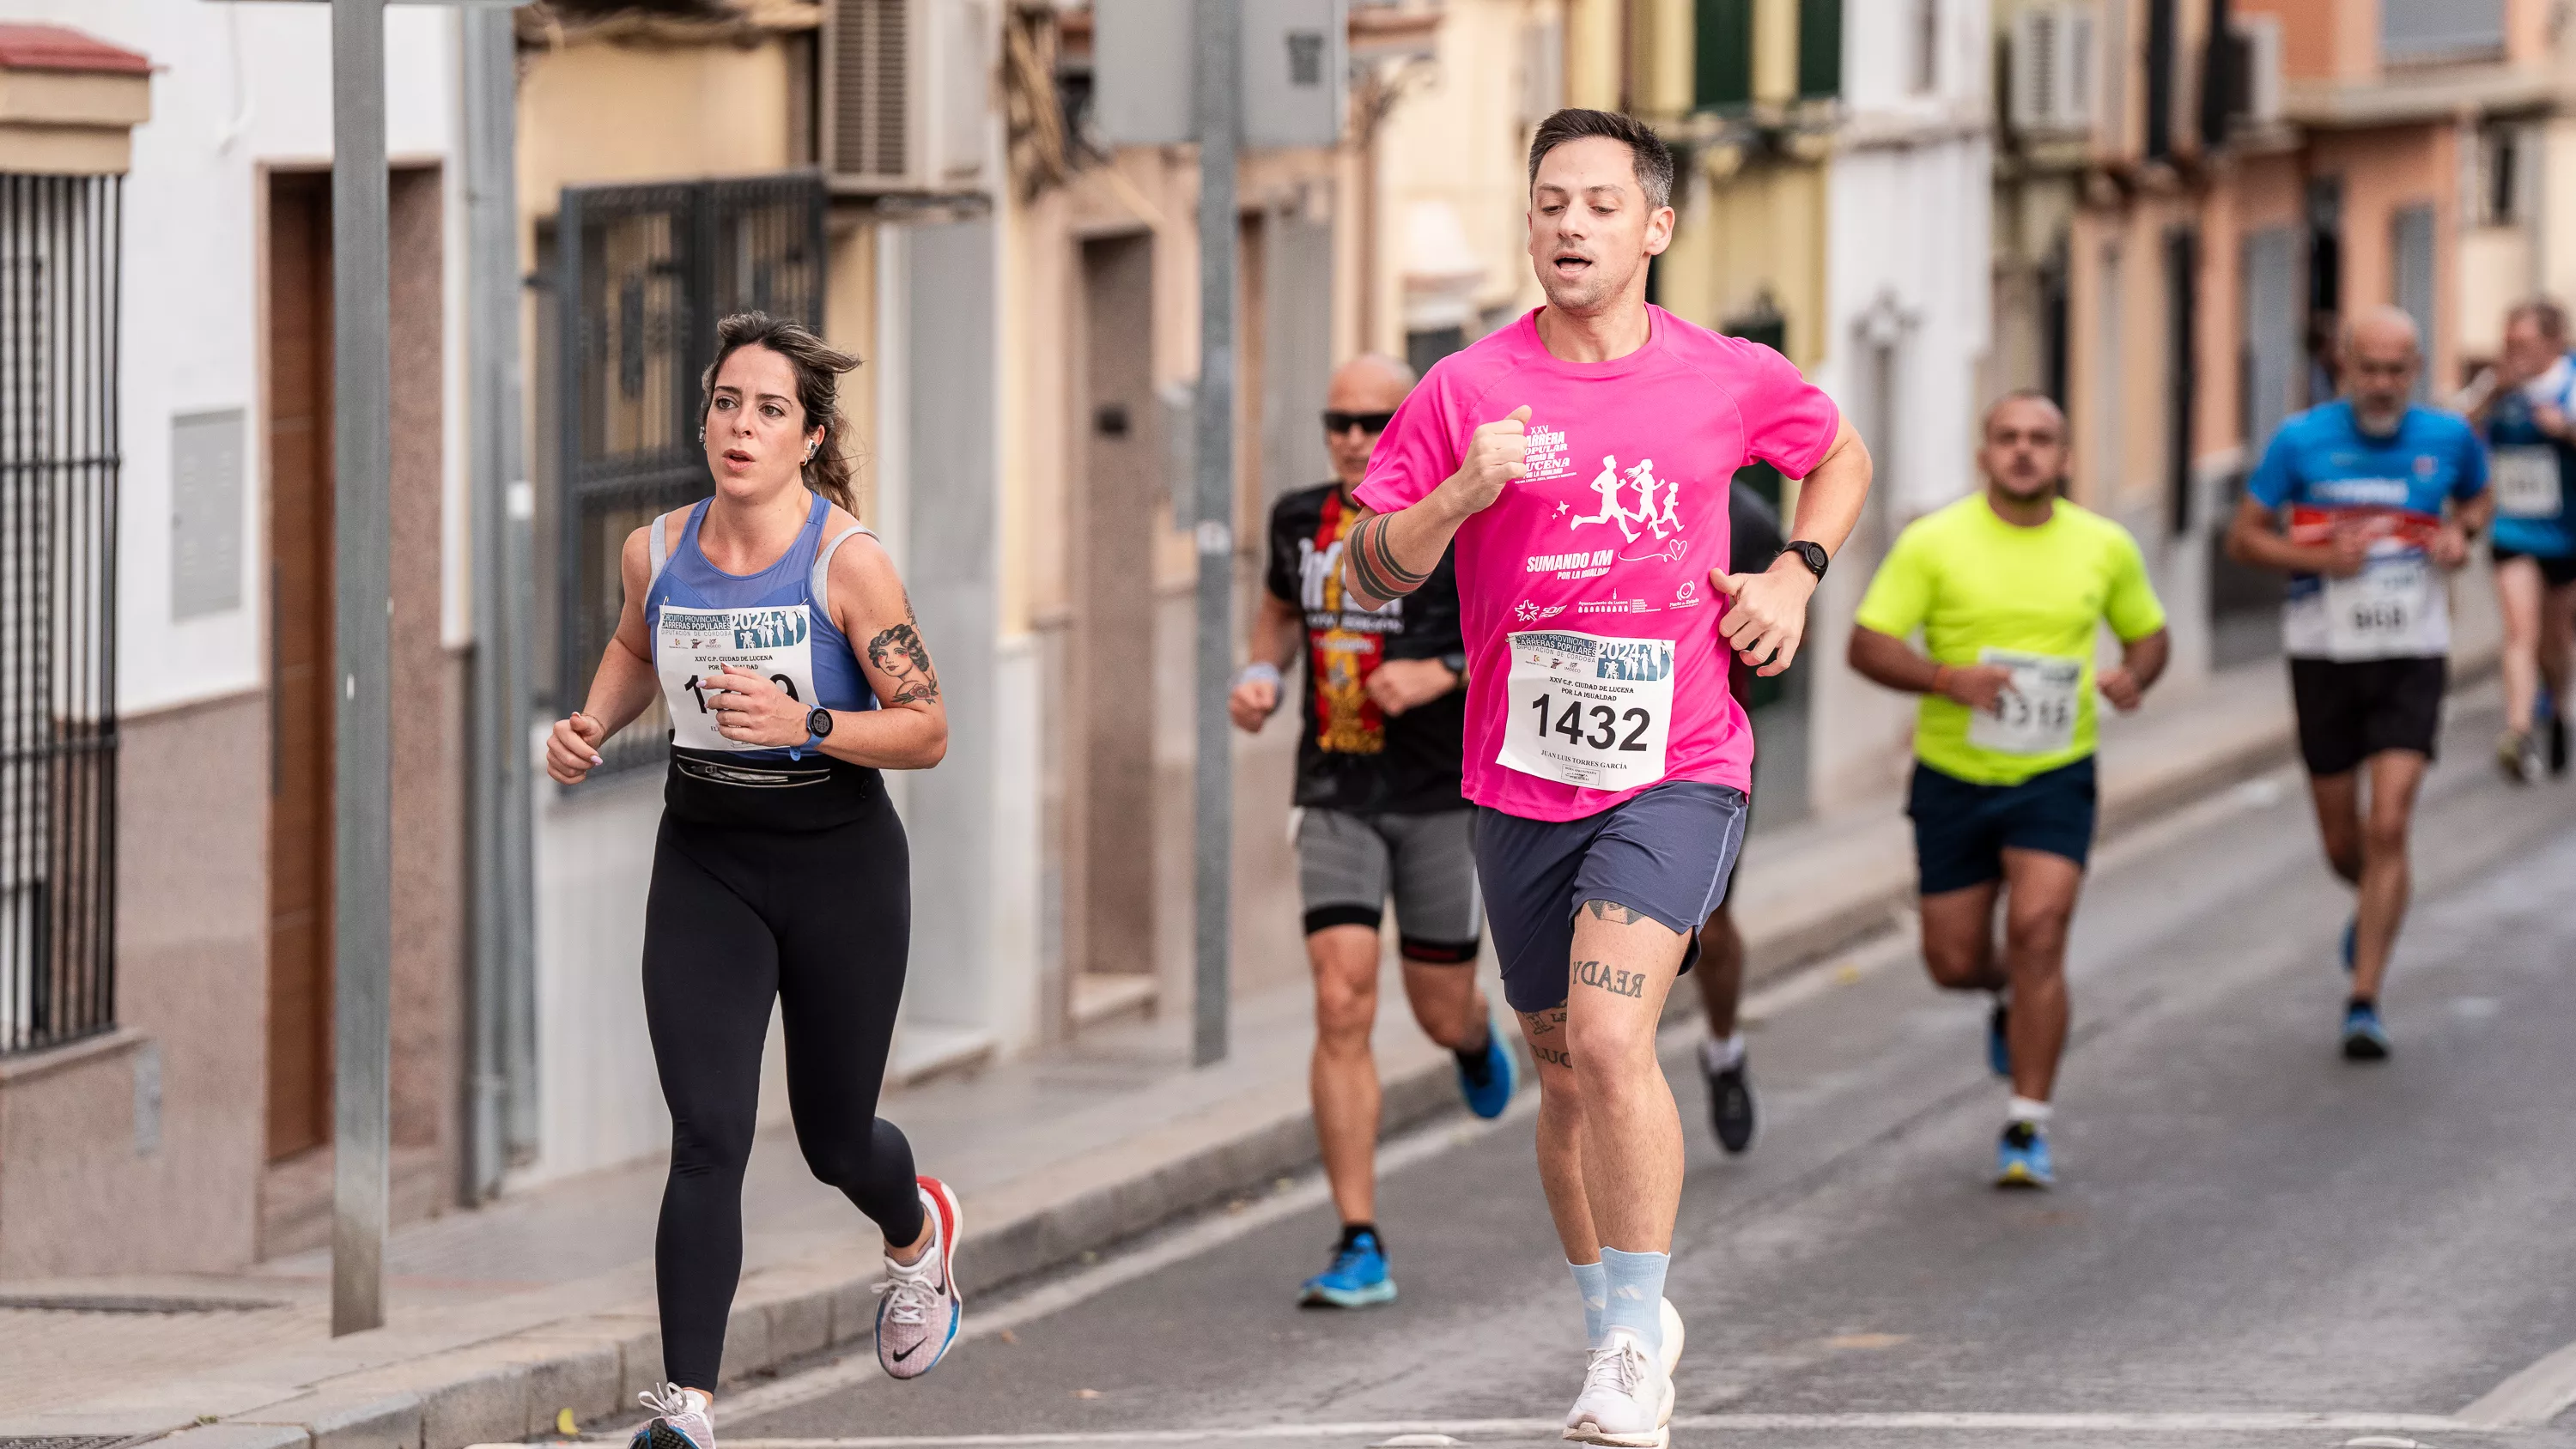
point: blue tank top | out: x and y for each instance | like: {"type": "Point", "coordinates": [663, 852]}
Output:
{"type": "Point", "coordinates": [774, 622]}
{"type": "Point", "coordinates": [2534, 472]}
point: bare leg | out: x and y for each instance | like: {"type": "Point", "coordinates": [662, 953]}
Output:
{"type": "Point", "coordinates": [1623, 968]}
{"type": "Point", "coordinates": [1342, 1079]}
{"type": "Point", "coordinates": [2039, 903]}
{"type": "Point", "coordinates": [2518, 588]}
{"type": "Point", "coordinates": [1959, 938]}
{"type": "Point", "coordinates": [2386, 877]}
{"type": "Point", "coordinates": [1720, 971]}
{"type": "Point", "coordinates": [2558, 642]}
{"type": "Point", "coordinates": [2338, 801]}
{"type": "Point", "coordinates": [1560, 1135]}
{"type": "Point", "coordinates": [1447, 1004]}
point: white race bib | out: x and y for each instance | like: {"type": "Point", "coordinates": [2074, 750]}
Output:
{"type": "Point", "coordinates": [2526, 482]}
{"type": "Point", "coordinates": [2387, 611]}
{"type": "Point", "coordinates": [773, 641]}
{"type": "Point", "coordinates": [1588, 711]}
{"type": "Point", "coordinates": [2035, 713]}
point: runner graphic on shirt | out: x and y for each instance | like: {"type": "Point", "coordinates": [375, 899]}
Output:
{"type": "Point", "coordinates": [1663, 522]}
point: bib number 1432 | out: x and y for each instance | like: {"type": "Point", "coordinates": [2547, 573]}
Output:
{"type": "Point", "coordinates": [1588, 711]}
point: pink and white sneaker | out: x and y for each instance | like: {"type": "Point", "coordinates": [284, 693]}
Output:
{"type": "Point", "coordinates": [918, 1308]}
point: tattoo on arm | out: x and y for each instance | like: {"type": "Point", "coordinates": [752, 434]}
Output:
{"type": "Point", "coordinates": [1606, 978]}
{"type": "Point", "coordinates": [1374, 566]}
{"type": "Point", "coordinates": [899, 654]}
{"type": "Point", "coordinates": [1614, 912]}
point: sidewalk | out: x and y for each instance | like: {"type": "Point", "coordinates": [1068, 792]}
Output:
{"type": "Point", "coordinates": [503, 1317]}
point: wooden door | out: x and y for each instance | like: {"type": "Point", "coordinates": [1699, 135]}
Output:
{"type": "Point", "coordinates": [299, 552]}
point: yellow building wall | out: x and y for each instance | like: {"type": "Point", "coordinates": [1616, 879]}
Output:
{"type": "Point", "coordinates": [1593, 64]}
{"type": "Point", "coordinates": [604, 112]}
{"type": "Point", "coordinates": [1759, 231]}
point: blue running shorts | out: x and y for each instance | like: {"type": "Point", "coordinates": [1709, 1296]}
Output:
{"type": "Point", "coordinates": [1665, 853]}
{"type": "Point", "coordinates": [1961, 830]}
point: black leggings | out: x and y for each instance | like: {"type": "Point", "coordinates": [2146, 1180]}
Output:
{"type": "Point", "coordinates": [819, 922]}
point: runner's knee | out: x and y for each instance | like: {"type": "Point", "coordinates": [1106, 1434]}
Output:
{"type": "Point", "coordinates": [1956, 961]}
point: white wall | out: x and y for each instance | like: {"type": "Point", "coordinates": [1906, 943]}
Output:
{"type": "Point", "coordinates": [238, 86]}
{"type": "Point", "coordinates": [1909, 215]}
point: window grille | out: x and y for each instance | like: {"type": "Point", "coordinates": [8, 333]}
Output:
{"type": "Point", "coordinates": [60, 262]}
{"type": "Point", "coordinates": [641, 276]}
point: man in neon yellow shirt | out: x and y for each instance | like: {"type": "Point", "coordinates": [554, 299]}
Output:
{"type": "Point", "coordinates": [2009, 586]}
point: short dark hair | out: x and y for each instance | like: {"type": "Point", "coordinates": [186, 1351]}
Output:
{"type": "Point", "coordinates": [1654, 159]}
{"type": "Point", "coordinates": [2543, 313]}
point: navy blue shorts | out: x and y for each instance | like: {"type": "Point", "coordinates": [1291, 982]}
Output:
{"type": "Point", "coordinates": [1962, 830]}
{"type": "Point", "coordinates": [1665, 853]}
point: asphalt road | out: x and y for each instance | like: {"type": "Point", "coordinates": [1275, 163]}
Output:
{"type": "Point", "coordinates": [2248, 1231]}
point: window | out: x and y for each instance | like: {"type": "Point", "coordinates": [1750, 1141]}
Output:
{"type": "Point", "coordinates": [2411, 238]}
{"type": "Point", "coordinates": [2500, 179]}
{"type": "Point", "coordinates": [59, 467]}
{"type": "Point", "coordinates": [2440, 30]}
{"type": "Point", "coordinates": [1722, 73]}
{"type": "Point", "coordinates": [1820, 49]}
{"type": "Point", "coordinates": [640, 276]}
{"type": "Point", "coordinates": [2161, 45]}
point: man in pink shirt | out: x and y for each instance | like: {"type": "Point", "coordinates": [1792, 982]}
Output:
{"type": "Point", "coordinates": [1580, 458]}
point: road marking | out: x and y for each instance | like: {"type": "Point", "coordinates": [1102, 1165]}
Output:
{"type": "Point", "coordinates": [1381, 1430]}
{"type": "Point", "coordinates": [2531, 1398]}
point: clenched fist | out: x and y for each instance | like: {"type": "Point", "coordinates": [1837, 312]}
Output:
{"type": "Point", "coordinates": [1495, 456]}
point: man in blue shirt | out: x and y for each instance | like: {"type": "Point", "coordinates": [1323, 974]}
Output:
{"type": "Point", "coordinates": [2527, 414]}
{"type": "Point", "coordinates": [2382, 498]}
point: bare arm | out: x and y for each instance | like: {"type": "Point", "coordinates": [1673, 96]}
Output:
{"type": "Point", "coordinates": [2254, 538]}
{"type": "Point", "coordinates": [624, 685]}
{"type": "Point", "coordinates": [1277, 630]}
{"type": "Point", "coordinates": [2142, 662]}
{"type": "Point", "coordinates": [1888, 660]}
{"type": "Point", "coordinates": [1768, 618]}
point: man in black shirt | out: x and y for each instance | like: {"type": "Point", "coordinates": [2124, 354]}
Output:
{"type": "Point", "coordinates": [1377, 785]}
{"type": "Point", "coordinates": [1754, 541]}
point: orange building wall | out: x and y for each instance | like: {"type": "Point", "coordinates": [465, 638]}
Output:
{"type": "Point", "coordinates": [2386, 170]}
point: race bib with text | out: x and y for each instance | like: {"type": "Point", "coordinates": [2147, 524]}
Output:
{"type": "Point", "coordinates": [1588, 711]}
{"type": "Point", "coordinates": [2526, 482]}
{"type": "Point", "coordinates": [2387, 611]}
{"type": "Point", "coordinates": [774, 641]}
{"type": "Point", "coordinates": [2035, 713]}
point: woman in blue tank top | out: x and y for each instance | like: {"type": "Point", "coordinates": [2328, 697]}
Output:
{"type": "Point", "coordinates": [781, 872]}
{"type": "Point", "coordinates": [2529, 419]}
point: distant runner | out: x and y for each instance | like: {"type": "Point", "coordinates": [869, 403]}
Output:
{"type": "Point", "coordinates": [1377, 785]}
{"type": "Point", "coordinates": [1580, 456]}
{"type": "Point", "coordinates": [1753, 531]}
{"type": "Point", "coordinates": [2010, 586]}
{"type": "Point", "coordinates": [2529, 416]}
{"type": "Point", "coordinates": [2382, 498]}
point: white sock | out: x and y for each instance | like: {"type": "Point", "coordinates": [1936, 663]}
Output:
{"type": "Point", "coordinates": [1716, 1054]}
{"type": "Point", "coordinates": [2023, 1109]}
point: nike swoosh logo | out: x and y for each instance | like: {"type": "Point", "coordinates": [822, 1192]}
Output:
{"type": "Point", "coordinates": [909, 1352]}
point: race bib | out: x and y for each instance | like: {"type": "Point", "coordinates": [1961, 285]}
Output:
{"type": "Point", "coordinates": [693, 644]}
{"type": "Point", "coordinates": [2035, 713]}
{"type": "Point", "coordinates": [1588, 711]}
{"type": "Point", "coordinates": [2387, 611]}
{"type": "Point", "coordinates": [2525, 481]}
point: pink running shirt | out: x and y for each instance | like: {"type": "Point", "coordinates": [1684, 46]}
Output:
{"type": "Point", "coordinates": [1609, 540]}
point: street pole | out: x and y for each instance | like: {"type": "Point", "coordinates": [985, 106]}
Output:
{"type": "Point", "coordinates": [501, 1091]}
{"type": "Point", "coordinates": [1220, 65]}
{"type": "Point", "coordinates": [362, 777]}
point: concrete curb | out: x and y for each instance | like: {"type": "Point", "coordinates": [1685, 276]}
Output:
{"type": "Point", "coordinates": [592, 1365]}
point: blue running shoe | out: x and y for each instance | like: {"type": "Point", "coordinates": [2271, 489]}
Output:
{"type": "Point", "coordinates": [1488, 1081]}
{"type": "Point", "coordinates": [2021, 1158]}
{"type": "Point", "coordinates": [2350, 929]}
{"type": "Point", "coordinates": [1999, 1039]}
{"type": "Point", "coordinates": [2365, 1039]}
{"type": "Point", "coordinates": [1356, 1279]}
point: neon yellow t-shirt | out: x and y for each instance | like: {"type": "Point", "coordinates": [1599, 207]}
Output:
{"type": "Point", "coordinates": [1975, 584]}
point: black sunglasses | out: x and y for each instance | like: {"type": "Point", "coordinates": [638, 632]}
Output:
{"type": "Point", "coordinates": [1337, 423]}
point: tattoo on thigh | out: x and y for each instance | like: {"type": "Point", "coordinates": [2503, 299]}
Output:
{"type": "Point", "coordinates": [1614, 912]}
{"type": "Point", "coordinates": [1616, 982]}
{"type": "Point", "coordinates": [1551, 1056]}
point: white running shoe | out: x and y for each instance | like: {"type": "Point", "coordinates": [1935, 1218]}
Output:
{"type": "Point", "coordinates": [1671, 1319]}
{"type": "Point", "coordinates": [1627, 1397]}
{"type": "Point", "coordinates": [682, 1419]}
{"type": "Point", "coordinates": [918, 1306]}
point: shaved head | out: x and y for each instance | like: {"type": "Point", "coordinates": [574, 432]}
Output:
{"type": "Point", "coordinates": [2046, 406]}
{"type": "Point", "coordinates": [1369, 383]}
{"type": "Point", "coordinates": [2382, 356]}
{"type": "Point", "coordinates": [2023, 450]}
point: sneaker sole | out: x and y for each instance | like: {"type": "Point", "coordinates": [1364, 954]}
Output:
{"type": "Point", "coordinates": [952, 1227]}
{"type": "Point", "coordinates": [1660, 1437]}
{"type": "Point", "coordinates": [1347, 1297]}
{"type": "Point", "coordinates": [2020, 1178]}
{"type": "Point", "coordinates": [2363, 1049]}
{"type": "Point", "coordinates": [663, 1436]}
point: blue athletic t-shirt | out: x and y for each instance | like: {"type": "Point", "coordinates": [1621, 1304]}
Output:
{"type": "Point", "coordinates": [2534, 472]}
{"type": "Point", "coordinates": [2332, 476]}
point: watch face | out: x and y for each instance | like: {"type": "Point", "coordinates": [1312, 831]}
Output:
{"type": "Point", "coordinates": [819, 723]}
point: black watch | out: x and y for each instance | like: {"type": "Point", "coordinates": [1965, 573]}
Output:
{"type": "Point", "coordinates": [1813, 555]}
{"type": "Point", "coordinates": [819, 723]}
{"type": "Point", "coordinates": [1455, 661]}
